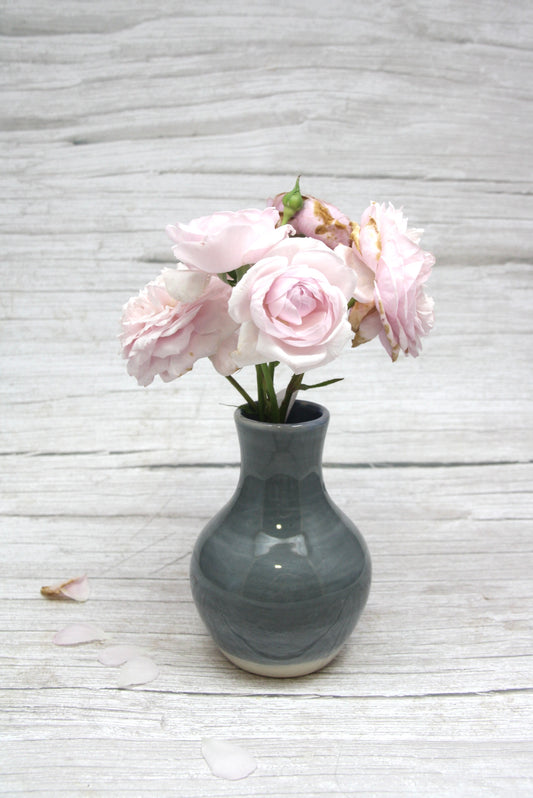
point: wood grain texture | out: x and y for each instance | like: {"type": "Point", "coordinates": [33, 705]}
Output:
{"type": "Point", "coordinates": [120, 117]}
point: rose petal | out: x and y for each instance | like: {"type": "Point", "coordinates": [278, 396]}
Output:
{"type": "Point", "coordinates": [165, 337]}
{"type": "Point", "coordinates": [76, 633]}
{"type": "Point", "coordinates": [227, 760]}
{"type": "Point", "coordinates": [227, 240]}
{"type": "Point", "coordinates": [138, 670]}
{"type": "Point", "coordinates": [183, 284]}
{"type": "Point", "coordinates": [76, 589]}
{"type": "Point", "coordinates": [119, 654]}
{"type": "Point", "coordinates": [400, 267]}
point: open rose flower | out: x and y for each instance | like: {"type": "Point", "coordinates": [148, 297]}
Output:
{"type": "Point", "coordinates": [225, 241]}
{"type": "Point", "coordinates": [320, 220]}
{"type": "Point", "coordinates": [164, 336]}
{"type": "Point", "coordinates": [292, 306]}
{"type": "Point", "coordinates": [391, 271]}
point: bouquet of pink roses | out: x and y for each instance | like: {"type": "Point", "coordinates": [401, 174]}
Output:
{"type": "Point", "coordinates": [291, 284]}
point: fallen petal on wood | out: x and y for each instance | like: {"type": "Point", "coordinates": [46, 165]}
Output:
{"type": "Point", "coordinates": [76, 633]}
{"type": "Point", "coordinates": [228, 760]}
{"type": "Point", "coordinates": [138, 670]}
{"type": "Point", "coordinates": [119, 654]}
{"type": "Point", "coordinates": [76, 589]}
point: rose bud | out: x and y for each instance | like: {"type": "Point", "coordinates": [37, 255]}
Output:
{"type": "Point", "coordinates": [318, 219]}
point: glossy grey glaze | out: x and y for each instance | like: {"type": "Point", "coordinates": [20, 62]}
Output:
{"type": "Point", "coordinates": [280, 575]}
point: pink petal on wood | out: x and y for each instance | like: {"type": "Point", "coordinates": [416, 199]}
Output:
{"type": "Point", "coordinates": [76, 589]}
{"type": "Point", "coordinates": [228, 760]}
{"type": "Point", "coordinates": [119, 654]}
{"type": "Point", "coordinates": [138, 670]}
{"type": "Point", "coordinates": [76, 633]}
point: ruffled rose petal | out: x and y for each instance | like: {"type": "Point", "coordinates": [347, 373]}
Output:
{"type": "Point", "coordinates": [76, 589]}
{"type": "Point", "coordinates": [76, 633]}
{"type": "Point", "coordinates": [138, 670]}
{"type": "Point", "coordinates": [391, 272]}
{"type": "Point", "coordinates": [164, 336]}
{"type": "Point", "coordinates": [119, 654]}
{"type": "Point", "coordinates": [227, 760]}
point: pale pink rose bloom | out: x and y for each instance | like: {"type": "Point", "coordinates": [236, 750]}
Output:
{"type": "Point", "coordinates": [320, 220]}
{"type": "Point", "coordinates": [225, 241]}
{"type": "Point", "coordinates": [391, 271]}
{"type": "Point", "coordinates": [292, 306]}
{"type": "Point", "coordinates": [163, 336]}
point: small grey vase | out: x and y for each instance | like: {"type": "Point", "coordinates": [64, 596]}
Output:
{"type": "Point", "coordinates": [280, 575]}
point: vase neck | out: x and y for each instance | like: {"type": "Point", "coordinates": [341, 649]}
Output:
{"type": "Point", "coordinates": [293, 449]}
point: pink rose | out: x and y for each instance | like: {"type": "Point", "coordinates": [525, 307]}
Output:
{"type": "Point", "coordinates": [161, 335]}
{"type": "Point", "coordinates": [224, 241]}
{"type": "Point", "coordinates": [292, 306]}
{"type": "Point", "coordinates": [320, 220]}
{"type": "Point", "coordinates": [391, 271]}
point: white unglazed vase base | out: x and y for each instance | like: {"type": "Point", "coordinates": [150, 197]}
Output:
{"type": "Point", "coordinates": [281, 671]}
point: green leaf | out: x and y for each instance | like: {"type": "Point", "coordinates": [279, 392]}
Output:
{"type": "Point", "coordinates": [321, 384]}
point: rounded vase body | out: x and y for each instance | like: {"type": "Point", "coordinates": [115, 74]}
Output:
{"type": "Point", "coordinates": [280, 575]}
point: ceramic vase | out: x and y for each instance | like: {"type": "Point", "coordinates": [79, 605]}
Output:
{"type": "Point", "coordinates": [280, 575]}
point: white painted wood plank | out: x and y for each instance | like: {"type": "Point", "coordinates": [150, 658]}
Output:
{"type": "Point", "coordinates": [330, 768]}
{"type": "Point", "coordinates": [119, 118]}
{"type": "Point", "coordinates": [431, 110]}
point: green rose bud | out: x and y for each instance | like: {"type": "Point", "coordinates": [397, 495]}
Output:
{"type": "Point", "coordinates": [292, 202]}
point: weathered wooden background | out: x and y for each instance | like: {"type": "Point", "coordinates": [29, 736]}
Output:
{"type": "Point", "coordinates": [120, 117]}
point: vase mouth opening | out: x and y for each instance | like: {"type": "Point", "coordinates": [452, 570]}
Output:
{"type": "Point", "coordinates": [308, 413]}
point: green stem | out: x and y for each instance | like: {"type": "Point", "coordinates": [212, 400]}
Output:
{"type": "Point", "coordinates": [261, 398]}
{"type": "Point", "coordinates": [293, 386]}
{"type": "Point", "coordinates": [272, 366]}
{"type": "Point", "coordinates": [243, 393]}
{"type": "Point", "coordinates": [268, 377]}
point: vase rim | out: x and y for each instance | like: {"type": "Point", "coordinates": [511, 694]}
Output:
{"type": "Point", "coordinates": [319, 418]}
